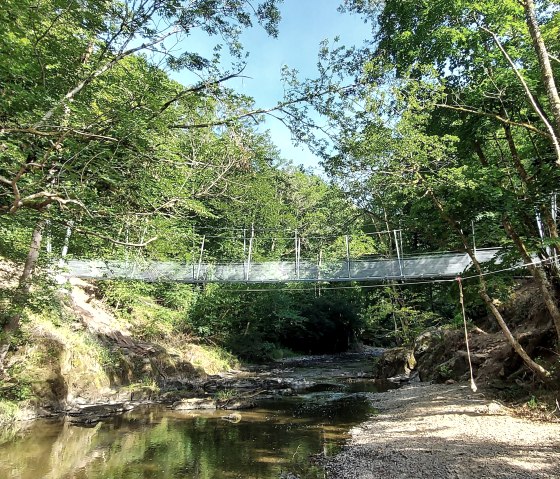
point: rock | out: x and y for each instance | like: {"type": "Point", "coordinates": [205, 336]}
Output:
{"type": "Point", "coordinates": [194, 403]}
{"type": "Point", "coordinates": [427, 340]}
{"type": "Point", "coordinates": [395, 362]}
{"type": "Point", "coordinates": [236, 404]}
{"type": "Point", "coordinates": [233, 418]}
{"type": "Point", "coordinates": [493, 409]}
{"type": "Point", "coordinates": [435, 353]}
{"type": "Point", "coordinates": [93, 413]}
{"type": "Point", "coordinates": [453, 369]}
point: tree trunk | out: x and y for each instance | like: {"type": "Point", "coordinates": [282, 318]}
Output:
{"type": "Point", "coordinates": [536, 368]}
{"type": "Point", "coordinates": [528, 183]}
{"type": "Point", "coordinates": [532, 365]}
{"type": "Point", "coordinates": [539, 276]}
{"type": "Point", "coordinates": [544, 62]}
{"type": "Point", "coordinates": [21, 294]}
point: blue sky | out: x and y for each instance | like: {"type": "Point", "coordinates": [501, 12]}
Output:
{"type": "Point", "coordinates": [305, 23]}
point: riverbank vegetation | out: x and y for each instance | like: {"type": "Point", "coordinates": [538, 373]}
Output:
{"type": "Point", "coordinates": [446, 127]}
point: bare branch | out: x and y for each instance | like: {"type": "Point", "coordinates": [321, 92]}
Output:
{"type": "Point", "coordinates": [554, 58]}
{"type": "Point", "coordinates": [258, 111]}
{"type": "Point", "coordinates": [200, 87]}
{"type": "Point", "coordinates": [38, 201]}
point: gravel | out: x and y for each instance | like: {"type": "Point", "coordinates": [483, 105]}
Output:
{"type": "Point", "coordinates": [446, 431]}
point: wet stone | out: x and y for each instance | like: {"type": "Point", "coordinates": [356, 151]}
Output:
{"type": "Point", "coordinates": [194, 403]}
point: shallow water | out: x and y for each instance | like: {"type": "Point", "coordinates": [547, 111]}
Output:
{"type": "Point", "coordinates": [156, 442]}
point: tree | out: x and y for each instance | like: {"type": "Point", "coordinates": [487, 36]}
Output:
{"type": "Point", "coordinates": [87, 128]}
{"type": "Point", "coordinates": [457, 124]}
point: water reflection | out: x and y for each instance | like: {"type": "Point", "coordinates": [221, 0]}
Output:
{"type": "Point", "coordinates": [159, 443]}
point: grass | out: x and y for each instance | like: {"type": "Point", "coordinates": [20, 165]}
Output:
{"type": "Point", "coordinates": [10, 412]}
{"type": "Point", "coordinates": [224, 395]}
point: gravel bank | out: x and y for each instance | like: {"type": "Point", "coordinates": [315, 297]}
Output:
{"type": "Point", "coordinates": [442, 431]}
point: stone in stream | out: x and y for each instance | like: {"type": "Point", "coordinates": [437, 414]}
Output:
{"type": "Point", "coordinates": [194, 403]}
{"type": "Point", "coordinates": [94, 413]}
{"type": "Point", "coordinates": [234, 404]}
{"type": "Point", "coordinates": [233, 418]}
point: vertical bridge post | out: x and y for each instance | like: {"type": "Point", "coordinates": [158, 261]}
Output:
{"type": "Point", "coordinates": [49, 239]}
{"type": "Point", "coordinates": [248, 265]}
{"type": "Point", "coordinates": [297, 244]}
{"type": "Point", "coordinates": [473, 238]}
{"type": "Point", "coordinates": [347, 239]}
{"type": "Point", "coordinates": [200, 258]}
{"type": "Point", "coordinates": [398, 252]}
{"type": "Point", "coordinates": [320, 264]}
{"type": "Point", "coordinates": [64, 251]}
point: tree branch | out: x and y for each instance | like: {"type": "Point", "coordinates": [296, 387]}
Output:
{"type": "Point", "coordinates": [200, 87]}
{"type": "Point", "coordinates": [110, 64]}
{"type": "Point", "coordinates": [528, 93]}
{"type": "Point", "coordinates": [258, 111]}
{"type": "Point", "coordinates": [495, 116]}
{"type": "Point", "coordinates": [112, 240]}
{"type": "Point", "coordinates": [57, 130]}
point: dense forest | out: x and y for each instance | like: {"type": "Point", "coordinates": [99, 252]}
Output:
{"type": "Point", "coordinates": [445, 126]}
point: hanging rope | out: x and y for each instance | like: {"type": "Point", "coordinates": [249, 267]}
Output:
{"type": "Point", "coordinates": [462, 301]}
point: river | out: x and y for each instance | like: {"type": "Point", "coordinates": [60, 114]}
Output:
{"type": "Point", "coordinates": [155, 441]}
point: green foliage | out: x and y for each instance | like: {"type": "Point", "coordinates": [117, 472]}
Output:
{"type": "Point", "coordinates": [268, 324]}
{"type": "Point", "coordinates": [14, 238]}
{"type": "Point", "coordinates": [226, 394]}
{"type": "Point", "coordinates": [445, 371]}
{"type": "Point", "coordinates": [395, 315]}
{"type": "Point", "coordinates": [19, 391]}
{"type": "Point", "coordinates": [146, 385]}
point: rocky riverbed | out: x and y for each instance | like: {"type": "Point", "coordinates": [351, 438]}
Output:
{"type": "Point", "coordinates": [299, 408]}
{"type": "Point", "coordinates": [446, 431]}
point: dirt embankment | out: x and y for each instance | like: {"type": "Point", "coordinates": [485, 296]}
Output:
{"type": "Point", "coordinates": [74, 354]}
{"type": "Point", "coordinates": [440, 354]}
{"type": "Point", "coordinates": [447, 431]}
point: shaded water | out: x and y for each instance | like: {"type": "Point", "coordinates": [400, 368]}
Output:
{"type": "Point", "coordinates": [156, 442]}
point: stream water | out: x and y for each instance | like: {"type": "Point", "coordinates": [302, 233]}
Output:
{"type": "Point", "coordinates": [157, 442]}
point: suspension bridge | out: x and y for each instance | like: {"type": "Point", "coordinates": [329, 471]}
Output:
{"type": "Point", "coordinates": [364, 268]}
{"type": "Point", "coordinates": [437, 265]}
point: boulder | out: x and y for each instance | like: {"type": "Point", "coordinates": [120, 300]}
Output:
{"type": "Point", "coordinates": [395, 362]}
{"type": "Point", "coordinates": [435, 352]}
{"type": "Point", "coordinates": [236, 404]}
{"type": "Point", "coordinates": [194, 403]}
{"type": "Point", "coordinates": [427, 340]}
